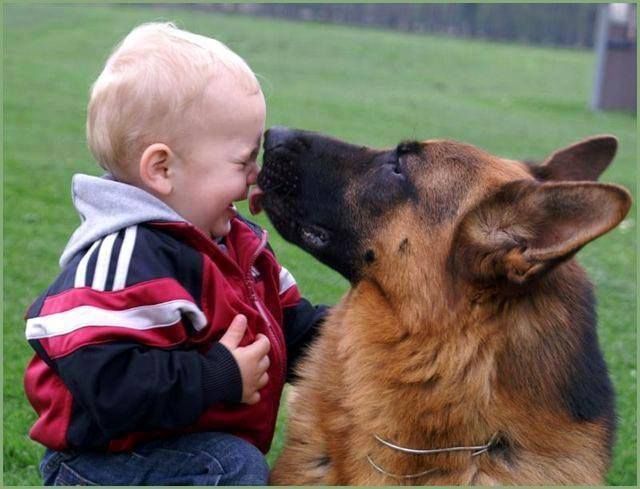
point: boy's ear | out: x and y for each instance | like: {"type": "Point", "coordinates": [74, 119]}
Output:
{"type": "Point", "coordinates": [527, 228]}
{"type": "Point", "coordinates": [154, 167]}
{"type": "Point", "coordinates": [584, 160]}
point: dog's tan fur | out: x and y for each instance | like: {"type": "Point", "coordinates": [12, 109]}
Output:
{"type": "Point", "coordinates": [431, 350]}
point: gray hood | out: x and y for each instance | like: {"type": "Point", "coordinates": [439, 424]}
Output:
{"type": "Point", "coordinates": [106, 206]}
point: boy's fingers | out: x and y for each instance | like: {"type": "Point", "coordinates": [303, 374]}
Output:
{"type": "Point", "coordinates": [233, 336]}
{"type": "Point", "coordinates": [264, 380]}
{"type": "Point", "coordinates": [261, 345]}
{"type": "Point", "coordinates": [263, 364]}
{"type": "Point", "coordinates": [259, 348]}
{"type": "Point", "coordinates": [254, 398]}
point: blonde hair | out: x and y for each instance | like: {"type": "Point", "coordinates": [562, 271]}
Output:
{"type": "Point", "coordinates": [148, 87]}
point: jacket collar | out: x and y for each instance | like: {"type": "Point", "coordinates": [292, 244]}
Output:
{"type": "Point", "coordinates": [243, 244]}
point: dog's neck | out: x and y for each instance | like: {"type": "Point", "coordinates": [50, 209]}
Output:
{"type": "Point", "coordinates": [456, 361]}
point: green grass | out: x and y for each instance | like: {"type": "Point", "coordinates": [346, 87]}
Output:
{"type": "Point", "coordinates": [368, 86]}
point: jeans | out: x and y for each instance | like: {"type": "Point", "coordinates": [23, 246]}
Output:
{"type": "Point", "coordinates": [199, 459]}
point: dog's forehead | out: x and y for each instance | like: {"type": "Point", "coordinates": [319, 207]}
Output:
{"type": "Point", "coordinates": [451, 149]}
{"type": "Point", "coordinates": [477, 161]}
{"type": "Point", "coordinates": [456, 176]}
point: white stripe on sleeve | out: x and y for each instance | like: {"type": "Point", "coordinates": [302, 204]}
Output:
{"type": "Point", "coordinates": [139, 318]}
{"type": "Point", "coordinates": [286, 280]}
{"type": "Point", "coordinates": [126, 251]}
{"type": "Point", "coordinates": [81, 271]}
{"type": "Point", "coordinates": [102, 265]}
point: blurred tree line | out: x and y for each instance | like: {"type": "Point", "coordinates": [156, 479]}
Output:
{"type": "Point", "coordinates": [560, 24]}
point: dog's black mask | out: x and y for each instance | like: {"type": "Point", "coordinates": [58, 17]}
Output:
{"type": "Point", "coordinates": [326, 195]}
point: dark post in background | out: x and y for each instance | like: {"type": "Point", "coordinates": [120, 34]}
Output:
{"type": "Point", "coordinates": [615, 44]}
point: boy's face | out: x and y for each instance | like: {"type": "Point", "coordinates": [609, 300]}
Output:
{"type": "Point", "coordinates": [219, 159]}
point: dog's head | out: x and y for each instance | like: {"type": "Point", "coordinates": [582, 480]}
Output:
{"type": "Point", "coordinates": [439, 206]}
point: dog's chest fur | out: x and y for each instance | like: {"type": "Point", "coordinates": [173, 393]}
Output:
{"type": "Point", "coordinates": [428, 391]}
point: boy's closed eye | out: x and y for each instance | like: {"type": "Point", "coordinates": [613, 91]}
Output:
{"type": "Point", "coordinates": [251, 159]}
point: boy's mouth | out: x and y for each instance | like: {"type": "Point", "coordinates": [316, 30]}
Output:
{"type": "Point", "coordinates": [255, 200]}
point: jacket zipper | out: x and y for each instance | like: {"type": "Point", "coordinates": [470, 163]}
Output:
{"type": "Point", "coordinates": [274, 337]}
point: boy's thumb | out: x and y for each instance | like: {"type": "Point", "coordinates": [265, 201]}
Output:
{"type": "Point", "coordinates": [233, 336]}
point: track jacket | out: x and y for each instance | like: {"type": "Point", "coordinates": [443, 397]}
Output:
{"type": "Point", "coordinates": [126, 338]}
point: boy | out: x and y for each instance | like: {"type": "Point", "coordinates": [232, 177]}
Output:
{"type": "Point", "coordinates": [161, 347]}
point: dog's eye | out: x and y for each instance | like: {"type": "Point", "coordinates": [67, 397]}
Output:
{"type": "Point", "coordinates": [396, 166]}
{"type": "Point", "coordinates": [393, 165]}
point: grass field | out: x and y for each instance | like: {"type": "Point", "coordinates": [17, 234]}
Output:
{"type": "Point", "coordinates": [371, 87]}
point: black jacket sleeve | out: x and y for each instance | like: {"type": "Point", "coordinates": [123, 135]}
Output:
{"type": "Point", "coordinates": [301, 324]}
{"type": "Point", "coordinates": [123, 387]}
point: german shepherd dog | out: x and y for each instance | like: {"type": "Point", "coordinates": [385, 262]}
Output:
{"type": "Point", "coordinates": [465, 351]}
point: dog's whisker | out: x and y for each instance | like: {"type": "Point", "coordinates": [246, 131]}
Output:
{"type": "Point", "coordinates": [273, 188]}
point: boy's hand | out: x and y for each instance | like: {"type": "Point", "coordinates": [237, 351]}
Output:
{"type": "Point", "coordinates": [253, 359]}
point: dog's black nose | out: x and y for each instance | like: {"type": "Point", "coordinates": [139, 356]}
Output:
{"type": "Point", "coordinates": [277, 136]}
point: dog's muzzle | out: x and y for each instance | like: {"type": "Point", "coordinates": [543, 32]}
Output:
{"type": "Point", "coordinates": [278, 188]}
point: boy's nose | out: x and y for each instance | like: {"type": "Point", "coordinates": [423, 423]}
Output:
{"type": "Point", "coordinates": [276, 136]}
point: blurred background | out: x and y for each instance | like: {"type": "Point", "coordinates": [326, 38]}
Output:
{"type": "Point", "coordinates": [519, 80]}
{"type": "Point", "coordinates": [560, 24]}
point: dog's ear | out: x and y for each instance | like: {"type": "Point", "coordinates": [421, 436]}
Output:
{"type": "Point", "coordinates": [584, 160]}
{"type": "Point", "coordinates": [528, 227]}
